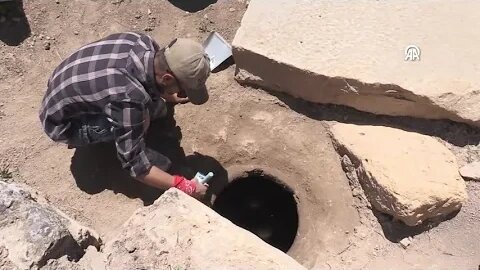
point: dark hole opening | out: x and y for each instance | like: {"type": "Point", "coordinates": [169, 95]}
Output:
{"type": "Point", "coordinates": [262, 206]}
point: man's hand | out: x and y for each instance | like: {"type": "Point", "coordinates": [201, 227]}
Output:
{"type": "Point", "coordinates": [162, 180]}
{"type": "Point", "coordinates": [191, 187]}
{"type": "Point", "coordinates": [200, 190]}
{"type": "Point", "coordinates": [175, 99]}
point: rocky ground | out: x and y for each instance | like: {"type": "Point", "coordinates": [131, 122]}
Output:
{"type": "Point", "coordinates": [240, 126]}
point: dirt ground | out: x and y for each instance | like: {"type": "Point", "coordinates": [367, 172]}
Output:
{"type": "Point", "coordinates": [239, 126]}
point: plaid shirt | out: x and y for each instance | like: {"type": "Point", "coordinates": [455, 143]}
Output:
{"type": "Point", "coordinates": [112, 77]}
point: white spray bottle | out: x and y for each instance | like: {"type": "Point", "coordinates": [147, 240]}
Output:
{"type": "Point", "coordinates": [203, 179]}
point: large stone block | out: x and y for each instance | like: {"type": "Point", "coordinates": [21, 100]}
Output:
{"type": "Point", "coordinates": [353, 53]}
{"type": "Point", "coordinates": [32, 232]}
{"type": "Point", "coordinates": [178, 232]}
{"type": "Point", "coordinates": [410, 176]}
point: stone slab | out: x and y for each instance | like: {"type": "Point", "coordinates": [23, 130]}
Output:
{"type": "Point", "coordinates": [471, 171]}
{"type": "Point", "coordinates": [410, 176]}
{"type": "Point", "coordinates": [179, 232]}
{"type": "Point", "coordinates": [353, 53]}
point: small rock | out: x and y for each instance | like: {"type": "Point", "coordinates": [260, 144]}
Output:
{"type": "Point", "coordinates": [149, 12]}
{"type": "Point", "coordinates": [130, 247]}
{"type": "Point", "coordinates": [471, 171]}
{"type": "Point", "coordinates": [160, 253]}
{"type": "Point", "coordinates": [46, 45]}
{"type": "Point", "coordinates": [138, 16]}
{"type": "Point", "coordinates": [205, 17]}
{"type": "Point", "coordinates": [148, 29]}
{"type": "Point", "coordinates": [362, 235]}
{"type": "Point", "coordinates": [231, 9]}
{"type": "Point", "coordinates": [405, 242]}
{"type": "Point", "coordinates": [75, 33]}
{"type": "Point", "coordinates": [57, 1]}
{"type": "Point", "coordinates": [356, 192]}
{"type": "Point", "coordinates": [48, 38]}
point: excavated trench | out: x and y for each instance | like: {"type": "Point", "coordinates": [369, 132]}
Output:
{"type": "Point", "coordinates": [263, 205]}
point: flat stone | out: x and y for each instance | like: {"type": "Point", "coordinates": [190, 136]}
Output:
{"type": "Point", "coordinates": [179, 232]}
{"type": "Point", "coordinates": [410, 176]}
{"type": "Point", "coordinates": [353, 54]}
{"type": "Point", "coordinates": [471, 171]}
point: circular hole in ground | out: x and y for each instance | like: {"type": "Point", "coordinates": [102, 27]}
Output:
{"type": "Point", "coordinates": [262, 205]}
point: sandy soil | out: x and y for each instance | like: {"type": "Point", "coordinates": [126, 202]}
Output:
{"type": "Point", "coordinates": [239, 126]}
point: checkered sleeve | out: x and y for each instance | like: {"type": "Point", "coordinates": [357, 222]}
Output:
{"type": "Point", "coordinates": [128, 119]}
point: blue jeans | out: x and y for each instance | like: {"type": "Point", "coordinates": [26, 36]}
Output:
{"type": "Point", "coordinates": [90, 129]}
{"type": "Point", "coordinates": [93, 129]}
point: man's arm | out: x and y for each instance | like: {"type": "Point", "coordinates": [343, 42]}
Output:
{"type": "Point", "coordinates": [163, 180]}
{"type": "Point", "coordinates": [155, 177]}
{"type": "Point", "coordinates": [128, 119]}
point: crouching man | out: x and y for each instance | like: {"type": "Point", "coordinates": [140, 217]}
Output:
{"type": "Point", "coordinates": [110, 90]}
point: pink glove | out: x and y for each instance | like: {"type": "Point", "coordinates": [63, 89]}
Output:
{"type": "Point", "coordinates": [184, 184]}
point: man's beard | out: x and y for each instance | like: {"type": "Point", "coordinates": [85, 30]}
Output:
{"type": "Point", "coordinates": [172, 89]}
{"type": "Point", "coordinates": [182, 94]}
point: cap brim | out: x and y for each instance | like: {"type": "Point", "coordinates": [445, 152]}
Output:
{"type": "Point", "coordinates": [197, 96]}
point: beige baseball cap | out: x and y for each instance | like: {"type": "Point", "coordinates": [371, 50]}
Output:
{"type": "Point", "coordinates": [190, 66]}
